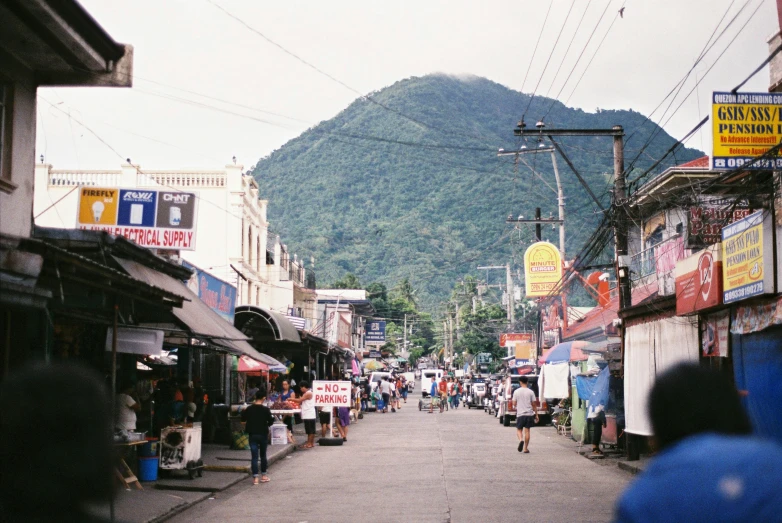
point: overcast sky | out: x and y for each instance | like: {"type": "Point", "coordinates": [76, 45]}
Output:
{"type": "Point", "coordinates": [192, 45]}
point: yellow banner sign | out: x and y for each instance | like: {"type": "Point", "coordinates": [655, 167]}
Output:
{"type": "Point", "coordinates": [745, 126]}
{"type": "Point", "coordinates": [98, 206]}
{"type": "Point", "coordinates": [542, 269]}
{"type": "Point", "coordinates": [744, 257]}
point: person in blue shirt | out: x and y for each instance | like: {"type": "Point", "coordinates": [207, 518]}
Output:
{"type": "Point", "coordinates": [709, 467]}
{"type": "Point", "coordinates": [434, 393]}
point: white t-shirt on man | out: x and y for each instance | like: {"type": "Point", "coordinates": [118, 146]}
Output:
{"type": "Point", "coordinates": [308, 408]}
{"type": "Point", "coordinates": [523, 398]}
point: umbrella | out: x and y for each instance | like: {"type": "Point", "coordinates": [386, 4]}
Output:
{"type": "Point", "coordinates": [247, 364]}
{"type": "Point", "coordinates": [568, 351]}
{"type": "Point", "coordinates": [373, 365]}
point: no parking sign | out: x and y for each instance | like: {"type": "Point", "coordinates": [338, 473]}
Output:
{"type": "Point", "coordinates": [332, 393]}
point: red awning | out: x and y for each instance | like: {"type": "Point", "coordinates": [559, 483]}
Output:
{"type": "Point", "coordinates": [247, 364]}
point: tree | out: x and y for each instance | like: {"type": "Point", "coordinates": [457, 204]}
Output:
{"type": "Point", "coordinates": [349, 281]}
{"type": "Point", "coordinates": [404, 290]}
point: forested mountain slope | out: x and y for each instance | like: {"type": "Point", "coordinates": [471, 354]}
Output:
{"type": "Point", "coordinates": [409, 184]}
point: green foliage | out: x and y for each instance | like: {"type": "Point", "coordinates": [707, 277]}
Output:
{"type": "Point", "coordinates": [349, 281]}
{"type": "Point", "coordinates": [354, 193]}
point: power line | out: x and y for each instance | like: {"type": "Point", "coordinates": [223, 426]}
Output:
{"type": "Point", "coordinates": [577, 61]}
{"type": "Point", "coordinates": [535, 50]}
{"type": "Point", "coordinates": [594, 55]}
{"type": "Point", "coordinates": [567, 50]}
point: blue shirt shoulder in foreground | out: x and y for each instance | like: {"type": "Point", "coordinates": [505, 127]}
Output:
{"type": "Point", "coordinates": [708, 477]}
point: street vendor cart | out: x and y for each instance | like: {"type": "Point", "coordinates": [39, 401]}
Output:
{"type": "Point", "coordinates": [180, 449]}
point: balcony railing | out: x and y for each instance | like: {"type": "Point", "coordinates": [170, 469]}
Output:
{"type": "Point", "coordinates": [657, 259]}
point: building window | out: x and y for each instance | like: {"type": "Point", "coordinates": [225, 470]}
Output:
{"type": "Point", "coordinates": [250, 245]}
{"type": "Point", "coordinates": [258, 254]}
{"type": "Point", "coordinates": [6, 119]}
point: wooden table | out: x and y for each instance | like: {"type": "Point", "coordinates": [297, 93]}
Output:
{"type": "Point", "coordinates": [123, 471]}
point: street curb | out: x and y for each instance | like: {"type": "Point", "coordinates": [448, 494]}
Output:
{"type": "Point", "coordinates": [632, 469]}
{"type": "Point", "coordinates": [207, 493]}
{"type": "Point", "coordinates": [176, 510]}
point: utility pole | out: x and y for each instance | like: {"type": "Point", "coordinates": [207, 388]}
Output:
{"type": "Point", "coordinates": [450, 340]}
{"type": "Point", "coordinates": [560, 193]}
{"type": "Point", "coordinates": [620, 200]}
{"type": "Point", "coordinates": [560, 206]}
{"type": "Point", "coordinates": [620, 221]}
{"type": "Point", "coordinates": [511, 297]}
{"type": "Point", "coordinates": [537, 224]}
{"type": "Point", "coordinates": [404, 337]}
{"type": "Point", "coordinates": [508, 287]}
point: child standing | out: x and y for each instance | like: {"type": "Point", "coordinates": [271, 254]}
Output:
{"type": "Point", "coordinates": [258, 418]}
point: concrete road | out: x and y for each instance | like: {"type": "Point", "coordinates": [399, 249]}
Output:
{"type": "Point", "coordinates": [459, 466]}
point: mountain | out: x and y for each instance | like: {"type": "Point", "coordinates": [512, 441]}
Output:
{"type": "Point", "coordinates": [407, 182]}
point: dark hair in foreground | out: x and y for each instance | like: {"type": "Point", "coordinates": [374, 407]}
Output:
{"type": "Point", "coordinates": [305, 384]}
{"type": "Point", "coordinates": [260, 394]}
{"type": "Point", "coordinates": [688, 399]}
{"type": "Point", "coordinates": [55, 442]}
{"type": "Point", "coordinates": [523, 379]}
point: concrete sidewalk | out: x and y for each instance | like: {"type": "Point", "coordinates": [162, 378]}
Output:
{"type": "Point", "coordinates": [162, 499]}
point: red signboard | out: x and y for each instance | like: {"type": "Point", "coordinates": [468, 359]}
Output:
{"type": "Point", "coordinates": [699, 281]}
{"type": "Point", "coordinates": [343, 332]}
{"type": "Point", "coordinates": [707, 219]}
{"type": "Point", "coordinates": [511, 338]}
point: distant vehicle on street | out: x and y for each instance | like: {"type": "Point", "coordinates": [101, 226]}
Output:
{"type": "Point", "coordinates": [376, 377]}
{"type": "Point", "coordinates": [477, 393]}
{"type": "Point", "coordinates": [426, 380]}
{"type": "Point", "coordinates": [508, 416]}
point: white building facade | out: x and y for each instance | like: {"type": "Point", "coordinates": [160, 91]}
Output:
{"type": "Point", "coordinates": [232, 239]}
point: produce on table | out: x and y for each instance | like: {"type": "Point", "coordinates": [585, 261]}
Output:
{"type": "Point", "coordinates": [284, 405]}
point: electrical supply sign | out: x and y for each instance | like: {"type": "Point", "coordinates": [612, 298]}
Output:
{"type": "Point", "coordinates": [151, 218]}
{"type": "Point", "coordinates": [542, 269]}
{"type": "Point", "coordinates": [745, 126]}
{"type": "Point", "coordinates": [746, 255]}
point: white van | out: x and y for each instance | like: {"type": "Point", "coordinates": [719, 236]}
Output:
{"type": "Point", "coordinates": [426, 380]}
{"type": "Point", "coordinates": [376, 377]}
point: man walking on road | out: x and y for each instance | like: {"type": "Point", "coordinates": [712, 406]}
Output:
{"type": "Point", "coordinates": [385, 390]}
{"type": "Point", "coordinates": [525, 414]}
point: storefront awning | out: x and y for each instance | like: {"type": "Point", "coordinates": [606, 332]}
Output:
{"type": "Point", "coordinates": [265, 325]}
{"type": "Point", "coordinates": [198, 319]}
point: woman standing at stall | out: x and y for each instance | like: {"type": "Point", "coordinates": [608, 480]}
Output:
{"type": "Point", "coordinates": [286, 394]}
{"type": "Point", "coordinates": [258, 419]}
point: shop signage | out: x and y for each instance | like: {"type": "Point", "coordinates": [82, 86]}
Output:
{"type": "Point", "coordinates": [699, 281]}
{"type": "Point", "coordinates": [332, 393]}
{"type": "Point", "coordinates": [552, 321]}
{"type": "Point", "coordinates": [151, 218]}
{"type": "Point", "coordinates": [343, 332]}
{"type": "Point", "coordinates": [745, 126]}
{"type": "Point", "coordinates": [707, 218]}
{"type": "Point", "coordinates": [217, 294]}
{"type": "Point", "coordinates": [756, 317]}
{"type": "Point", "coordinates": [510, 338]}
{"type": "Point", "coordinates": [747, 256]}
{"type": "Point", "coordinates": [714, 335]}
{"type": "Point", "coordinates": [375, 354]}
{"type": "Point", "coordinates": [542, 269]}
{"type": "Point", "coordinates": [525, 350]}
{"type": "Point", "coordinates": [524, 363]}
{"type": "Point", "coordinates": [376, 333]}
{"type": "Point", "coordinates": [484, 358]}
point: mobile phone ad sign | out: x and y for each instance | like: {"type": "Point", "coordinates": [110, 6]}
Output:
{"type": "Point", "coordinates": [744, 127]}
{"type": "Point", "coordinates": [151, 218]}
{"type": "Point", "coordinates": [376, 333]}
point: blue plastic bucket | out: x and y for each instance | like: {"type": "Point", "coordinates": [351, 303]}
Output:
{"type": "Point", "coordinates": [148, 449]}
{"type": "Point", "coordinates": [147, 469]}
